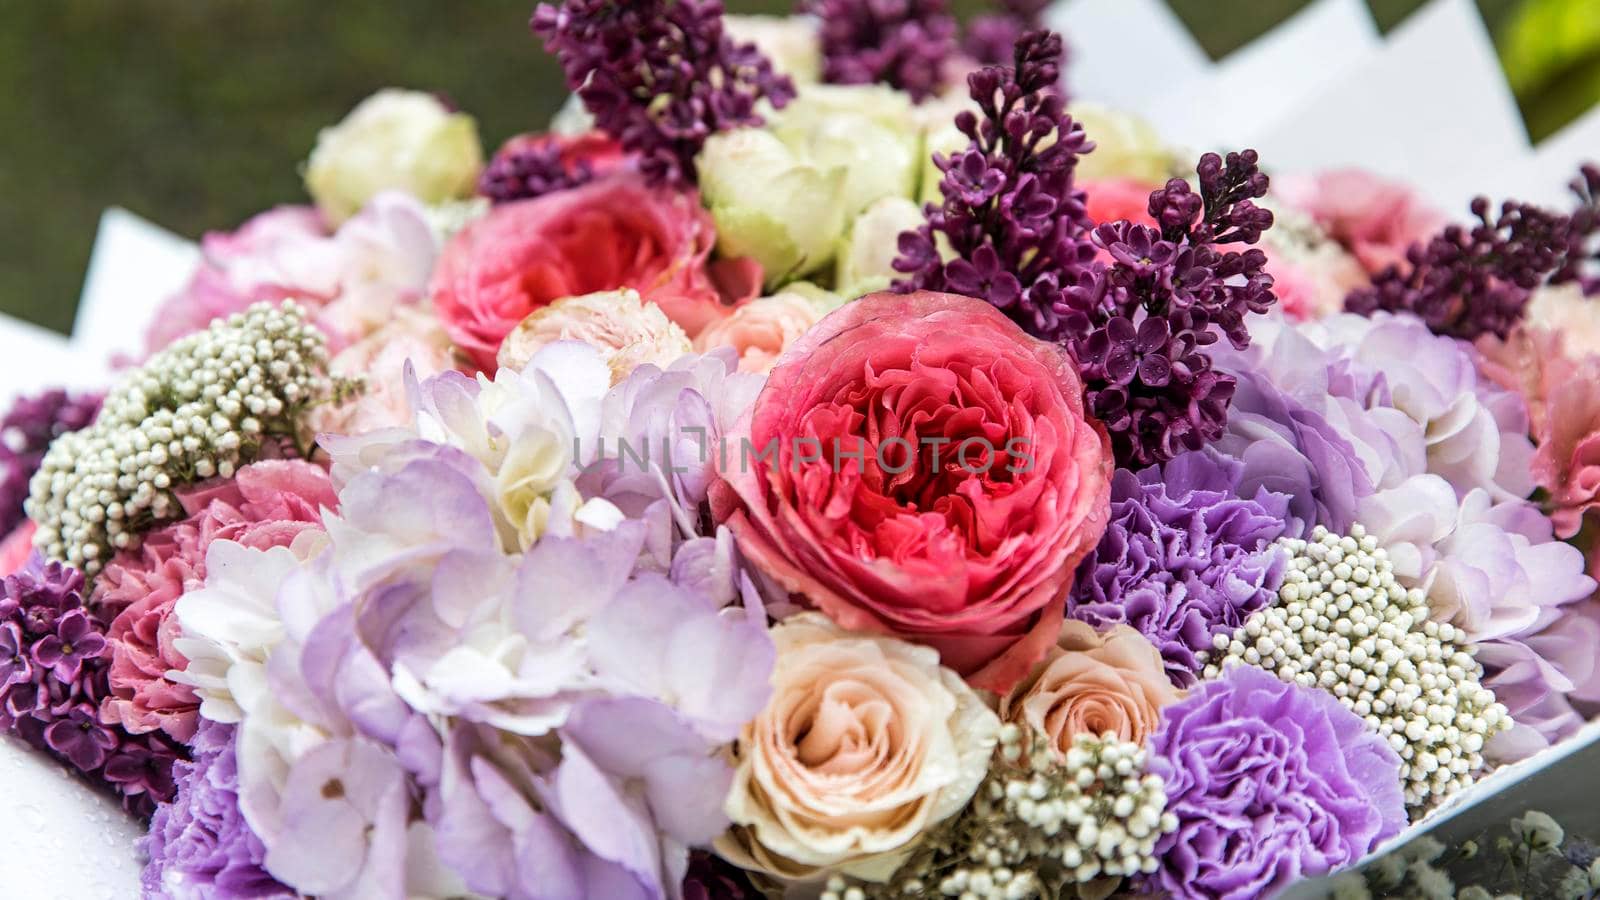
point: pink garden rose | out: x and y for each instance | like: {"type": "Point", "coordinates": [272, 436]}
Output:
{"type": "Point", "coordinates": [413, 336]}
{"type": "Point", "coordinates": [1115, 199]}
{"type": "Point", "coordinates": [932, 475]}
{"type": "Point", "coordinates": [1375, 219]}
{"type": "Point", "coordinates": [269, 504]}
{"type": "Point", "coordinates": [16, 548]}
{"type": "Point", "coordinates": [613, 233]}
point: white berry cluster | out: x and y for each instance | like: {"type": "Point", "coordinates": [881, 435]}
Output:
{"type": "Point", "coordinates": [1342, 623]}
{"type": "Point", "coordinates": [1037, 823]}
{"type": "Point", "coordinates": [201, 408]}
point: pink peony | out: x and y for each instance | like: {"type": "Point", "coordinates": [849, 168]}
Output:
{"type": "Point", "coordinates": [269, 504]}
{"type": "Point", "coordinates": [609, 234]}
{"type": "Point", "coordinates": [932, 475]}
{"type": "Point", "coordinates": [761, 330]}
{"type": "Point", "coordinates": [1375, 219]}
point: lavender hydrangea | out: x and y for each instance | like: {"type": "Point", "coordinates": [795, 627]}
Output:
{"type": "Point", "coordinates": [1183, 559]}
{"type": "Point", "coordinates": [200, 846]}
{"type": "Point", "coordinates": [1270, 782]}
{"type": "Point", "coordinates": [660, 76]}
{"type": "Point", "coordinates": [53, 665]}
{"type": "Point", "coordinates": [25, 433]}
{"type": "Point", "coordinates": [902, 43]}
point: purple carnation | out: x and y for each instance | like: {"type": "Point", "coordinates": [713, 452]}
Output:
{"type": "Point", "coordinates": [25, 434]}
{"type": "Point", "coordinates": [199, 844]}
{"type": "Point", "coordinates": [1183, 558]}
{"type": "Point", "coordinates": [1270, 782]}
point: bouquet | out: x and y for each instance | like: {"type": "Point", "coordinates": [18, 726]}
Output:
{"type": "Point", "coordinates": [827, 462]}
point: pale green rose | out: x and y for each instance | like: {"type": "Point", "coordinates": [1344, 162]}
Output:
{"type": "Point", "coordinates": [394, 139]}
{"type": "Point", "coordinates": [868, 130]}
{"type": "Point", "coordinates": [865, 261]}
{"type": "Point", "coordinates": [790, 42]}
{"type": "Point", "coordinates": [785, 193]}
{"type": "Point", "coordinates": [771, 204]}
{"type": "Point", "coordinates": [1125, 146]}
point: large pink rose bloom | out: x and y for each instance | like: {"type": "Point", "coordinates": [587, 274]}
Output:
{"type": "Point", "coordinates": [1373, 218]}
{"type": "Point", "coordinates": [613, 233]}
{"type": "Point", "coordinates": [269, 504]}
{"type": "Point", "coordinates": [934, 477]}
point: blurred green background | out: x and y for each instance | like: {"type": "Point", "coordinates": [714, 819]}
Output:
{"type": "Point", "coordinates": [197, 114]}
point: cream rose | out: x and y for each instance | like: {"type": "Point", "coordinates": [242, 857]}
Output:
{"type": "Point", "coordinates": [866, 743]}
{"type": "Point", "coordinates": [1092, 684]}
{"type": "Point", "coordinates": [761, 329]}
{"type": "Point", "coordinates": [627, 331]}
{"type": "Point", "coordinates": [792, 43]}
{"type": "Point", "coordinates": [405, 140]}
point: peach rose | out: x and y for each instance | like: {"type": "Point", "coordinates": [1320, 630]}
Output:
{"type": "Point", "coordinates": [866, 743]}
{"type": "Point", "coordinates": [1091, 684]}
{"type": "Point", "coordinates": [761, 330]}
{"type": "Point", "coordinates": [413, 337]}
{"type": "Point", "coordinates": [613, 233]}
{"type": "Point", "coordinates": [627, 331]}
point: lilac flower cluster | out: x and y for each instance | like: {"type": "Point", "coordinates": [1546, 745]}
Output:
{"type": "Point", "coordinates": [1583, 253]}
{"type": "Point", "coordinates": [1013, 217]}
{"type": "Point", "coordinates": [531, 171]}
{"type": "Point", "coordinates": [199, 844]}
{"type": "Point", "coordinates": [1183, 558]}
{"type": "Point", "coordinates": [25, 433]}
{"type": "Point", "coordinates": [990, 36]}
{"type": "Point", "coordinates": [1138, 319]}
{"type": "Point", "coordinates": [53, 663]}
{"type": "Point", "coordinates": [660, 76]}
{"type": "Point", "coordinates": [1471, 281]}
{"type": "Point", "coordinates": [901, 43]}
{"type": "Point", "coordinates": [1138, 326]}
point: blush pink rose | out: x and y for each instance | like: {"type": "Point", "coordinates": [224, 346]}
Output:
{"type": "Point", "coordinates": [933, 476]}
{"type": "Point", "coordinates": [414, 337]}
{"type": "Point", "coordinates": [268, 504]}
{"type": "Point", "coordinates": [613, 233]}
{"type": "Point", "coordinates": [1373, 218]}
{"type": "Point", "coordinates": [761, 330]}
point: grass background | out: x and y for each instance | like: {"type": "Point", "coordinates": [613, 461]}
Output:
{"type": "Point", "coordinates": [198, 114]}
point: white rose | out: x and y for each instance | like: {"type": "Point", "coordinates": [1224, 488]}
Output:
{"type": "Point", "coordinates": [866, 259]}
{"type": "Point", "coordinates": [1125, 146]}
{"type": "Point", "coordinates": [790, 42]}
{"type": "Point", "coordinates": [866, 744]}
{"type": "Point", "coordinates": [627, 331]}
{"type": "Point", "coordinates": [405, 140]}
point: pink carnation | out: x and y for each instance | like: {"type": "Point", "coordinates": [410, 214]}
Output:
{"type": "Point", "coordinates": [1375, 219]}
{"type": "Point", "coordinates": [269, 504]}
{"type": "Point", "coordinates": [1114, 199]}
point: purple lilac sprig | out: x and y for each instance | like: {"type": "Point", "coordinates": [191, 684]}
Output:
{"type": "Point", "coordinates": [1012, 215]}
{"type": "Point", "coordinates": [25, 434]}
{"type": "Point", "coordinates": [1136, 320]}
{"type": "Point", "coordinates": [1139, 324]}
{"type": "Point", "coordinates": [660, 76]}
{"type": "Point", "coordinates": [1468, 281]}
{"type": "Point", "coordinates": [531, 171]}
{"type": "Point", "coordinates": [902, 43]}
{"type": "Point", "coordinates": [990, 36]}
{"type": "Point", "coordinates": [53, 664]}
{"type": "Point", "coordinates": [1582, 263]}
